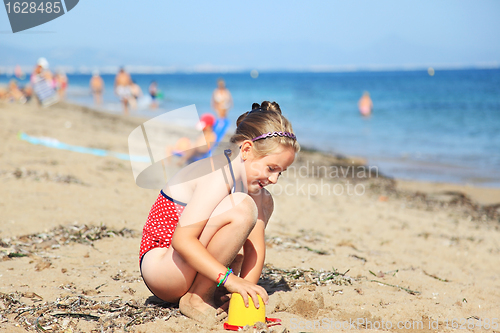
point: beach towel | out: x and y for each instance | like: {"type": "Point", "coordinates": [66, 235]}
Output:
{"type": "Point", "coordinates": [54, 143]}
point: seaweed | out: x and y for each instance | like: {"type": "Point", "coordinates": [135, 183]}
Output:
{"type": "Point", "coordinates": [109, 315]}
{"type": "Point", "coordinates": [25, 245]}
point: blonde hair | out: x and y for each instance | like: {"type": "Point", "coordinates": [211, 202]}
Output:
{"type": "Point", "coordinates": [264, 118]}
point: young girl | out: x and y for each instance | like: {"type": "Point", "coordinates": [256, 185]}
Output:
{"type": "Point", "coordinates": [218, 217]}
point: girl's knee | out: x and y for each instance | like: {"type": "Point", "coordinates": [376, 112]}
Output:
{"type": "Point", "coordinates": [237, 205]}
{"type": "Point", "coordinates": [245, 210]}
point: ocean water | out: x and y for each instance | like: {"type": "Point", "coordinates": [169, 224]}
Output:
{"type": "Point", "coordinates": [443, 128]}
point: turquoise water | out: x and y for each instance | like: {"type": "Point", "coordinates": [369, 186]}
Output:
{"type": "Point", "coordinates": [442, 128]}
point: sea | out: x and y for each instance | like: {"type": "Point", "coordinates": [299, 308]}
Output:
{"type": "Point", "coordinates": [443, 127]}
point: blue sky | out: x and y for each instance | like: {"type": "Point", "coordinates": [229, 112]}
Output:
{"type": "Point", "coordinates": [262, 34]}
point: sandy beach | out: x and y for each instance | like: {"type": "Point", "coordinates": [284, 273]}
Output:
{"type": "Point", "coordinates": [347, 249]}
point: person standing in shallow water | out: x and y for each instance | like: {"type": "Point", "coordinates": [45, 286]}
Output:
{"type": "Point", "coordinates": [222, 100]}
{"type": "Point", "coordinates": [135, 93]}
{"type": "Point", "coordinates": [97, 87]}
{"type": "Point", "coordinates": [61, 84]}
{"type": "Point", "coordinates": [365, 104]}
{"type": "Point", "coordinates": [123, 81]}
{"type": "Point", "coordinates": [153, 92]}
{"type": "Point", "coordinates": [205, 232]}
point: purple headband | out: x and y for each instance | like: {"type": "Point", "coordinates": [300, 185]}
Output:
{"type": "Point", "coordinates": [271, 134]}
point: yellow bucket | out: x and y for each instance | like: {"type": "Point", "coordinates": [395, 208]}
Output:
{"type": "Point", "coordinates": [239, 315]}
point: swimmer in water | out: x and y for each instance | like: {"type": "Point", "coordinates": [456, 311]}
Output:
{"type": "Point", "coordinates": [365, 104]}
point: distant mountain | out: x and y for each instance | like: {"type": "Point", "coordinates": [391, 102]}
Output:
{"type": "Point", "coordinates": [389, 52]}
{"type": "Point", "coordinates": [12, 56]}
{"type": "Point", "coordinates": [60, 56]}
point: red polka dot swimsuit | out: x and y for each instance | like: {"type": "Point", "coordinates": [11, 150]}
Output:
{"type": "Point", "coordinates": [163, 218]}
{"type": "Point", "coordinates": [161, 223]}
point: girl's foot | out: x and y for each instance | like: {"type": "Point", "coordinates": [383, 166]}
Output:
{"type": "Point", "coordinates": [194, 307]}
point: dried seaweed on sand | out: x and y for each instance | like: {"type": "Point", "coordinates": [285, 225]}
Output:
{"type": "Point", "coordinates": [54, 238]}
{"type": "Point", "coordinates": [65, 312]}
{"type": "Point", "coordinates": [274, 279]}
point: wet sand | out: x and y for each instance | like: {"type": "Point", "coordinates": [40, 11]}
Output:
{"type": "Point", "coordinates": [365, 249]}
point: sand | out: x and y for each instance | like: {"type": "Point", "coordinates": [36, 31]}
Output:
{"type": "Point", "coordinates": [343, 253]}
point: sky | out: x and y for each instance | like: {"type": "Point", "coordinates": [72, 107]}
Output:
{"type": "Point", "coordinates": [265, 35]}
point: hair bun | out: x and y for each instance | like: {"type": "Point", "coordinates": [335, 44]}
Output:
{"type": "Point", "coordinates": [268, 106]}
{"type": "Point", "coordinates": [265, 121]}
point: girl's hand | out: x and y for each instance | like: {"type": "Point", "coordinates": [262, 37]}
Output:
{"type": "Point", "coordinates": [235, 284]}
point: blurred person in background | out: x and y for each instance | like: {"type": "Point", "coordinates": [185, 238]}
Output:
{"type": "Point", "coordinates": [191, 151]}
{"type": "Point", "coordinates": [28, 92]}
{"type": "Point", "coordinates": [135, 92]}
{"type": "Point", "coordinates": [43, 83]}
{"type": "Point", "coordinates": [123, 81]}
{"type": "Point", "coordinates": [365, 104]}
{"type": "Point", "coordinates": [222, 100]}
{"type": "Point", "coordinates": [97, 87]}
{"type": "Point", "coordinates": [3, 93]}
{"type": "Point", "coordinates": [18, 72]}
{"type": "Point", "coordinates": [42, 70]}
{"type": "Point", "coordinates": [153, 92]}
{"type": "Point", "coordinates": [61, 84]}
{"type": "Point", "coordinates": [14, 93]}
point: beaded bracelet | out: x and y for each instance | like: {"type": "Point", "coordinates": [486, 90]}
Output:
{"type": "Point", "coordinates": [221, 275]}
{"type": "Point", "coordinates": [220, 278]}
{"type": "Point", "coordinates": [227, 276]}
{"type": "Point", "coordinates": [220, 282]}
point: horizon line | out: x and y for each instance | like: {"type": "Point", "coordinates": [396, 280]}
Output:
{"type": "Point", "coordinates": [217, 69]}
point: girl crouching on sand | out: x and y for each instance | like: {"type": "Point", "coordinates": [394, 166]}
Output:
{"type": "Point", "coordinates": [205, 231]}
